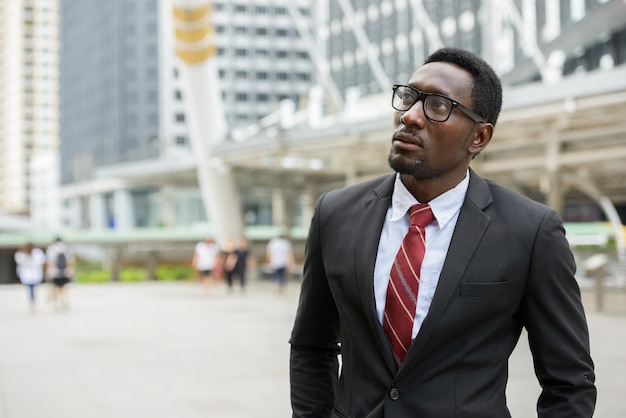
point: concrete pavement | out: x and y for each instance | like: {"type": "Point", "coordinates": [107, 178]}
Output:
{"type": "Point", "coordinates": [165, 350]}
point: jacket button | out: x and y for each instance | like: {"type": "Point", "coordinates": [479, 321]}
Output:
{"type": "Point", "coordinates": [394, 394]}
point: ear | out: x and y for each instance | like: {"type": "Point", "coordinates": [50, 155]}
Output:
{"type": "Point", "coordinates": [480, 139]}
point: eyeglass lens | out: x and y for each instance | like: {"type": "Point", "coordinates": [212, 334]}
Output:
{"type": "Point", "coordinates": [436, 107]}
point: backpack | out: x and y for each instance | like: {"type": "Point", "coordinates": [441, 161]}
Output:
{"type": "Point", "coordinates": [61, 261]}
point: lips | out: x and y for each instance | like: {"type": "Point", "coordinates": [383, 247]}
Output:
{"type": "Point", "coordinates": [407, 139]}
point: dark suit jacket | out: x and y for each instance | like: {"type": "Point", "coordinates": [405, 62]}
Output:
{"type": "Point", "coordinates": [508, 266]}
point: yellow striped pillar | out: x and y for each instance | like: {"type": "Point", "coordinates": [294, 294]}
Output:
{"type": "Point", "coordinates": [194, 45]}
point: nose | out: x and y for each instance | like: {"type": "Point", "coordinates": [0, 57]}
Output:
{"type": "Point", "coordinates": [415, 115]}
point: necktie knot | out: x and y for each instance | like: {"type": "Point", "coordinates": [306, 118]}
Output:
{"type": "Point", "coordinates": [421, 215]}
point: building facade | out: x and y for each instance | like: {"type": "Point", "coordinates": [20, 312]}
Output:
{"type": "Point", "coordinates": [126, 161]}
{"type": "Point", "coordinates": [28, 95]}
{"type": "Point", "coordinates": [366, 41]}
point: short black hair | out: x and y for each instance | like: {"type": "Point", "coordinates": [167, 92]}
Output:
{"type": "Point", "coordinates": [487, 89]}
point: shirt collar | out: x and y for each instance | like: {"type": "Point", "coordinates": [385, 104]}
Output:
{"type": "Point", "coordinates": [444, 206]}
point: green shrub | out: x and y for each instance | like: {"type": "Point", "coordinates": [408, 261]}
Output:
{"type": "Point", "coordinates": [133, 274]}
{"type": "Point", "coordinates": [94, 276]}
{"type": "Point", "coordinates": [168, 272]}
{"type": "Point", "coordinates": [165, 272]}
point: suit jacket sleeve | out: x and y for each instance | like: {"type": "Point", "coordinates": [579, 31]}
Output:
{"type": "Point", "coordinates": [315, 336]}
{"type": "Point", "coordinates": [557, 328]}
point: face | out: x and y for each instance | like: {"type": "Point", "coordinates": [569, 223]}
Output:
{"type": "Point", "coordinates": [425, 149]}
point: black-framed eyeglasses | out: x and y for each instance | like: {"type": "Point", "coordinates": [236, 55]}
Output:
{"type": "Point", "coordinates": [437, 107]}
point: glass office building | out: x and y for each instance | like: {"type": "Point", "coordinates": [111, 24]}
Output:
{"type": "Point", "coordinates": [578, 35]}
{"type": "Point", "coordinates": [125, 155]}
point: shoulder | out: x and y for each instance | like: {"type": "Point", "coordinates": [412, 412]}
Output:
{"type": "Point", "coordinates": [517, 210]}
{"type": "Point", "coordinates": [349, 195]}
{"type": "Point", "coordinates": [504, 196]}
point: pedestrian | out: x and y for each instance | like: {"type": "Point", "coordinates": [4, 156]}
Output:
{"type": "Point", "coordinates": [279, 254]}
{"type": "Point", "coordinates": [60, 270]}
{"type": "Point", "coordinates": [30, 262]}
{"type": "Point", "coordinates": [203, 261]}
{"type": "Point", "coordinates": [425, 320]}
{"type": "Point", "coordinates": [240, 257]}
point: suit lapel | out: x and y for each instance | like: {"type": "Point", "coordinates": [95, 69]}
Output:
{"type": "Point", "coordinates": [469, 230]}
{"type": "Point", "coordinates": [368, 236]}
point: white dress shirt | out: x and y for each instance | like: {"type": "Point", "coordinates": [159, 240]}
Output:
{"type": "Point", "coordinates": [446, 208]}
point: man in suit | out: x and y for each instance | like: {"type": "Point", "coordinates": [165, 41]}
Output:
{"type": "Point", "coordinates": [495, 262]}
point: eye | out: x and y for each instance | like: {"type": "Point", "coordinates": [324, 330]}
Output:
{"type": "Point", "coordinates": [439, 105]}
{"type": "Point", "coordinates": [406, 95]}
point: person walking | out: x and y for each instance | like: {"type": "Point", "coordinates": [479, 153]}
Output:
{"type": "Point", "coordinates": [423, 280]}
{"type": "Point", "coordinates": [30, 262]}
{"type": "Point", "coordinates": [60, 270]}
{"type": "Point", "coordinates": [240, 259]}
{"type": "Point", "coordinates": [203, 261]}
{"type": "Point", "coordinates": [279, 255]}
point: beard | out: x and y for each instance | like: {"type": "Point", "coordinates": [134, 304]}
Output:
{"type": "Point", "coordinates": [402, 164]}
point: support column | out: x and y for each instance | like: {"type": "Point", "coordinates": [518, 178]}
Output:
{"type": "Point", "coordinates": [351, 175]}
{"type": "Point", "coordinates": [288, 199]}
{"type": "Point", "coordinates": [169, 214]}
{"type": "Point", "coordinates": [97, 212]}
{"type": "Point", "coordinates": [114, 258]}
{"type": "Point", "coordinates": [553, 184]}
{"type": "Point", "coordinates": [123, 209]}
{"type": "Point", "coordinates": [196, 49]}
{"type": "Point", "coordinates": [308, 207]}
{"type": "Point", "coordinates": [71, 213]}
{"type": "Point", "coordinates": [278, 207]}
{"type": "Point", "coordinates": [153, 261]}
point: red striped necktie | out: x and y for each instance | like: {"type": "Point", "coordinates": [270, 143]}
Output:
{"type": "Point", "coordinates": [404, 280]}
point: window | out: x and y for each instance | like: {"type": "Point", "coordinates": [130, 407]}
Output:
{"type": "Point", "coordinates": [261, 31]}
{"type": "Point", "coordinates": [281, 54]}
{"type": "Point", "coordinates": [282, 76]}
{"type": "Point", "coordinates": [181, 140]}
{"type": "Point", "coordinates": [241, 74]}
{"type": "Point", "coordinates": [180, 117]}
{"type": "Point", "coordinates": [262, 75]}
{"type": "Point", "coordinates": [281, 32]}
{"type": "Point", "coordinates": [262, 97]}
{"type": "Point", "coordinates": [241, 97]}
{"type": "Point", "coordinates": [178, 95]}
{"type": "Point", "coordinates": [241, 52]}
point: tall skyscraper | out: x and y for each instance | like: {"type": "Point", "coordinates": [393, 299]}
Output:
{"type": "Point", "coordinates": [28, 95]}
{"type": "Point", "coordinates": [125, 154]}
